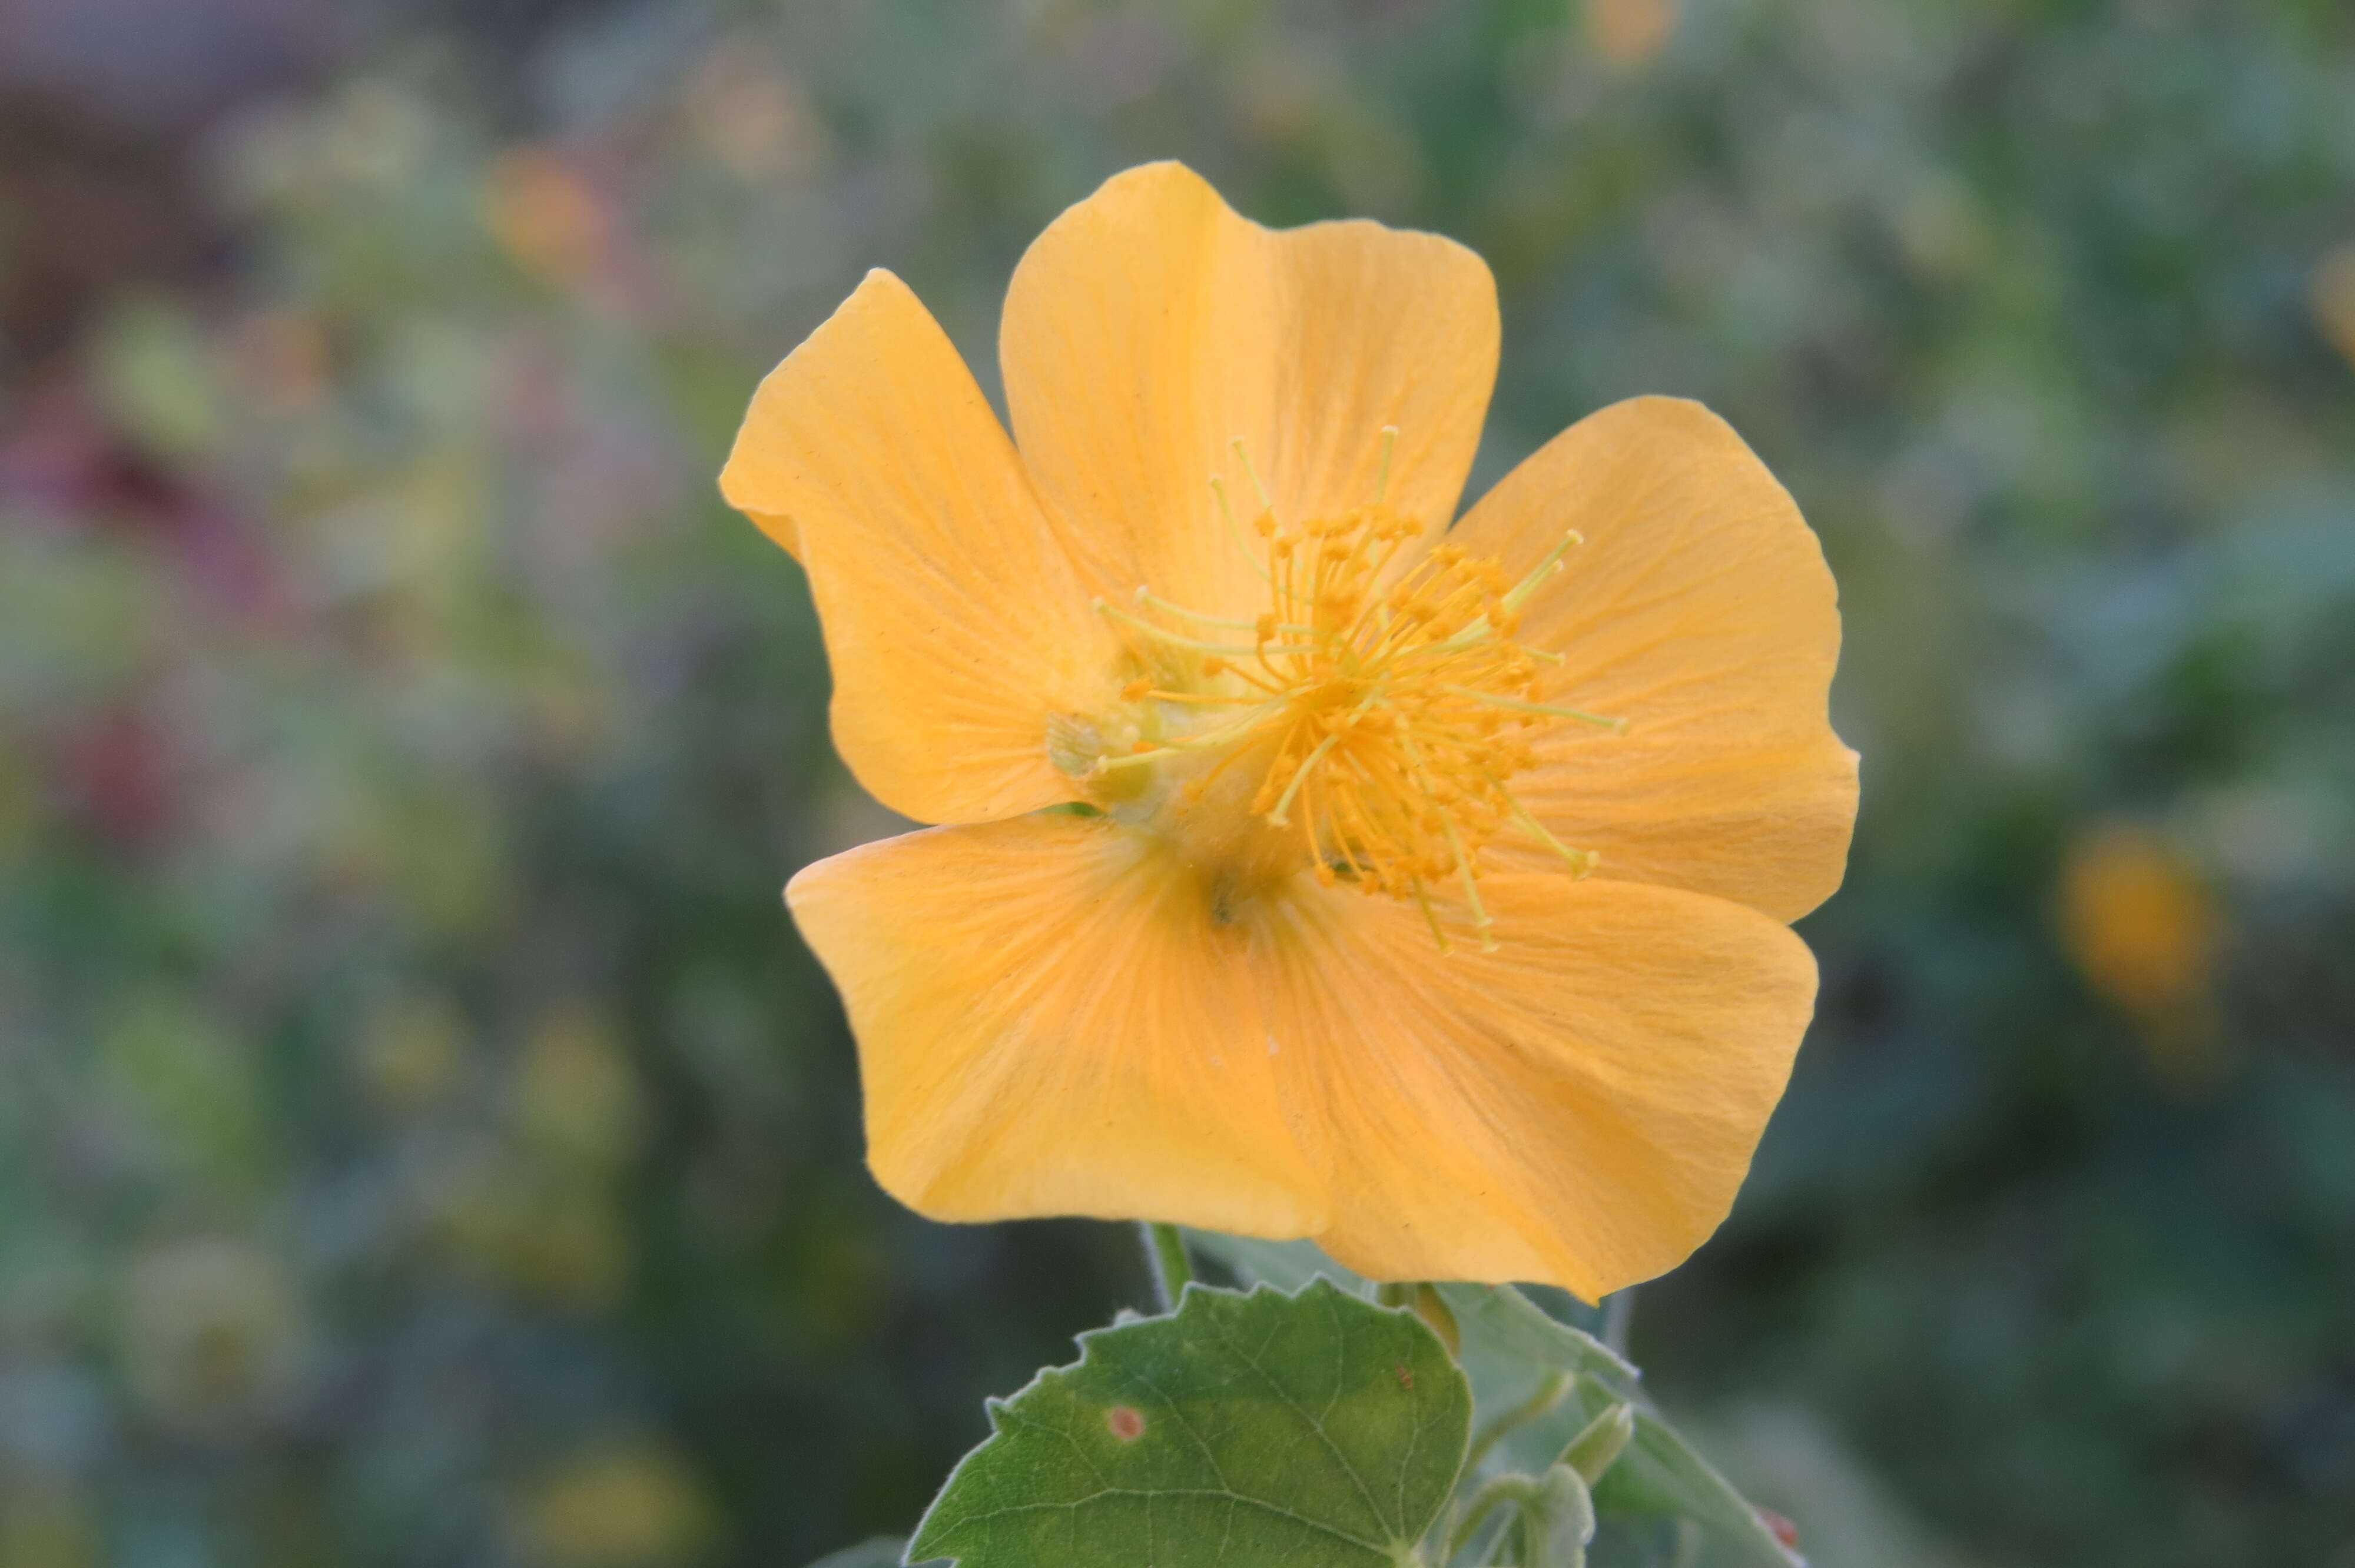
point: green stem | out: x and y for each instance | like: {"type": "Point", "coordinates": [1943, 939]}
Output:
{"type": "Point", "coordinates": [1518, 1491]}
{"type": "Point", "coordinates": [1538, 1405]}
{"type": "Point", "coordinates": [1618, 1317]}
{"type": "Point", "coordinates": [1165, 1256]}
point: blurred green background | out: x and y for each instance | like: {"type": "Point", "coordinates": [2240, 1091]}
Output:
{"type": "Point", "coordinates": [423, 1139]}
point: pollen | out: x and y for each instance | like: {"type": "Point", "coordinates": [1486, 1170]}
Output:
{"type": "Point", "coordinates": [1377, 708]}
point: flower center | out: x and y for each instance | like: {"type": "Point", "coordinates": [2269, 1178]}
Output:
{"type": "Point", "coordinates": [1369, 719]}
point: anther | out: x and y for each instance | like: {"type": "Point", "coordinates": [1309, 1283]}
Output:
{"type": "Point", "coordinates": [1384, 729]}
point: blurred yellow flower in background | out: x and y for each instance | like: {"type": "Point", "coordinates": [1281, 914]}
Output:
{"type": "Point", "coordinates": [1314, 870]}
{"type": "Point", "coordinates": [1630, 34]}
{"type": "Point", "coordinates": [631, 1505]}
{"type": "Point", "coordinates": [550, 1237]}
{"type": "Point", "coordinates": [2333, 297]}
{"type": "Point", "coordinates": [534, 1209]}
{"type": "Point", "coordinates": [750, 117]}
{"type": "Point", "coordinates": [544, 215]}
{"type": "Point", "coordinates": [411, 1051]}
{"type": "Point", "coordinates": [213, 1335]}
{"type": "Point", "coordinates": [2144, 931]}
{"type": "Point", "coordinates": [45, 1523]}
{"type": "Point", "coordinates": [576, 1098]}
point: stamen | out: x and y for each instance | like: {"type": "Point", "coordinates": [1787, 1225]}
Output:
{"type": "Point", "coordinates": [1615, 726]}
{"type": "Point", "coordinates": [1480, 921]}
{"type": "Point", "coordinates": [1386, 724]}
{"type": "Point", "coordinates": [1581, 862]}
{"type": "Point", "coordinates": [1177, 747]}
{"type": "Point", "coordinates": [1244, 457]}
{"type": "Point", "coordinates": [1136, 759]}
{"type": "Point", "coordinates": [1146, 596]}
{"type": "Point", "coordinates": [1235, 532]}
{"type": "Point", "coordinates": [1276, 817]}
{"type": "Point", "coordinates": [1528, 585]}
{"type": "Point", "coordinates": [1106, 606]}
{"type": "Point", "coordinates": [1431, 916]}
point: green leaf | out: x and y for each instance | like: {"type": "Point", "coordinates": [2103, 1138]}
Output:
{"type": "Point", "coordinates": [1508, 1329]}
{"type": "Point", "coordinates": [1308, 1430]}
{"type": "Point", "coordinates": [1660, 1475]}
{"type": "Point", "coordinates": [1658, 1488]}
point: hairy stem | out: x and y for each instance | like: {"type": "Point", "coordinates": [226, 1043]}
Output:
{"type": "Point", "coordinates": [1618, 1317]}
{"type": "Point", "coordinates": [1538, 1405]}
{"type": "Point", "coordinates": [1165, 1257]}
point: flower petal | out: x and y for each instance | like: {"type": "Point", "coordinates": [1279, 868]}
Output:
{"type": "Point", "coordinates": [1578, 1106]}
{"type": "Point", "coordinates": [955, 621]}
{"type": "Point", "coordinates": [1149, 326]}
{"type": "Point", "coordinates": [1056, 1016]}
{"type": "Point", "coordinates": [1700, 610]}
{"type": "Point", "coordinates": [1050, 1023]}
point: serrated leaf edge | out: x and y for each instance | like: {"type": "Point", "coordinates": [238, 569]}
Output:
{"type": "Point", "coordinates": [1399, 1552]}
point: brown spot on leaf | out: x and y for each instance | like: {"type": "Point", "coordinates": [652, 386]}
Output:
{"type": "Point", "coordinates": [1406, 1378]}
{"type": "Point", "coordinates": [1127, 1423]}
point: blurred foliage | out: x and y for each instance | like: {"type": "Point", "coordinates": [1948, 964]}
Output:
{"type": "Point", "coordinates": [423, 1139]}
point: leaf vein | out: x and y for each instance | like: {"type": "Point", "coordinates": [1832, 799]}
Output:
{"type": "Point", "coordinates": [986, 1516]}
{"type": "Point", "coordinates": [1316, 1426]}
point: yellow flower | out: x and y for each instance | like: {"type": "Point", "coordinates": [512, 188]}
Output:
{"type": "Point", "coordinates": [546, 218]}
{"type": "Point", "coordinates": [45, 1524]}
{"type": "Point", "coordinates": [2333, 297]}
{"type": "Point", "coordinates": [1425, 898]}
{"type": "Point", "coordinates": [632, 1504]}
{"type": "Point", "coordinates": [213, 1335]}
{"type": "Point", "coordinates": [1630, 34]}
{"type": "Point", "coordinates": [2145, 932]}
